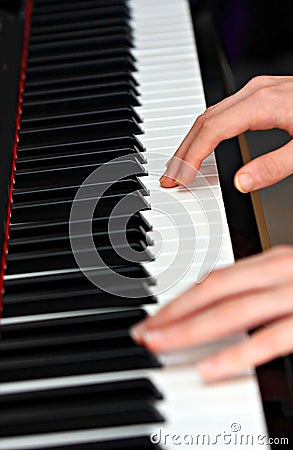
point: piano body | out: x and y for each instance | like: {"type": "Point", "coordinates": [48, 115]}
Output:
{"type": "Point", "coordinates": [96, 95]}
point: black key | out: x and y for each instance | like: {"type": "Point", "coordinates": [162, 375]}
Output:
{"type": "Point", "coordinates": [74, 175]}
{"type": "Point", "coordinates": [91, 52]}
{"type": "Point", "coordinates": [44, 163]}
{"type": "Point", "coordinates": [50, 246]}
{"type": "Point", "coordinates": [136, 387]}
{"type": "Point", "coordinates": [39, 4]}
{"type": "Point", "coordinates": [71, 118]}
{"type": "Point", "coordinates": [73, 80]}
{"type": "Point", "coordinates": [80, 69]}
{"type": "Point", "coordinates": [38, 197]}
{"type": "Point", "coordinates": [95, 87]}
{"type": "Point", "coordinates": [39, 230]}
{"type": "Point", "coordinates": [72, 133]}
{"type": "Point", "coordinates": [88, 416]}
{"type": "Point", "coordinates": [51, 7]}
{"type": "Point", "coordinates": [53, 86]}
{"type": "Point", "coordinates": [78, 361]}
{"type": "Point", "coordinates": [80, 15]}
{"type": "Point", "coordinates": [98, 328]}
{"type": "Point", "coordinates": [62, 241]}
{"type": "Point", "coordinates": [36, 261]}
{"type": "Point", "coordinates": [82, 102]}
{"type": "Point", "coordinates": [60, 209]}
{"type": "Point", "coordinates": [36, 411]}
{"type": "Point", "coordinates": [82, 43]}
{"type": "Point", "coordinates": [83, 33]}
{"type": "Point", "coordinates": [73, 291]}
{"type": "Point", "coordinates": [77, 26]}
{"type": "Point", "coordinates": [97, 145]}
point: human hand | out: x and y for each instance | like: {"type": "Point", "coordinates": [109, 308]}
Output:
{"type": "Point", "coordinates": [255, 291]}
{"type": "Point", "coordinates": [264, 103]}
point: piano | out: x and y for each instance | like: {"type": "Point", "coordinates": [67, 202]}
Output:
{"type": "Point", "coordinates": [98, 94]}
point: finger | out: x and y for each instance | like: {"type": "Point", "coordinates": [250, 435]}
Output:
{"type": "Point", "coordinates": [248, 275]}
{"type": "Point", "coordinates": [266, 170]}
{"type": "Point", "coordinates": [262, 347]}
{"type": "Point", "coordinates": [222, 319]}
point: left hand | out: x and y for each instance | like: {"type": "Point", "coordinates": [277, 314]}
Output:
{"type": "Point", "coordinates": [265, 102]}
{"type": "Point", "coordinates": [254, 291]}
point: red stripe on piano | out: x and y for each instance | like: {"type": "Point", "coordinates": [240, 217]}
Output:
{"type": "Point", "coordinates": [27, 27]}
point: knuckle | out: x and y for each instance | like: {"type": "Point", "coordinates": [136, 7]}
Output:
{"type": "Point", "coordinates": [269, 344]}
{"type": "Point", "coordinates": [208, 124]}
{"type": "Point", "coordinates": [274, 167]}
{"type": "Point", "coordinates": [200, 119]}
{"type": "Point", "coordinates": [261, 80]}
{"type": "Point", "coordinates": [276, 340]}
{"type": "Point", "coordinates": [262, 94]}
{"type": "Point", "coordinates": [209, 111]}
{"type": "Point", "coordinates": [271, 93]}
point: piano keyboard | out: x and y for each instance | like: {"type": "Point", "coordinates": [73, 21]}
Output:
{"type": "Point", "coordinates": [71, 376]}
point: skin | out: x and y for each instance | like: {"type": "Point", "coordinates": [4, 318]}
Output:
{"type": "Point", "coordinates": [261, 286]}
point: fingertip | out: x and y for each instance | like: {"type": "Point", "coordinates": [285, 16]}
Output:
{"type": "Point", "coordinates": [151, 339]}
{"type": "Point", "coordinates": [137, 332]}
{"type": "Point", "coordinates": [206, 369]}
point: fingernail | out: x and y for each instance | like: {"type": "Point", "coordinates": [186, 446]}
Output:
{"type": "Point", "coordinates": [244, 183]}
{"type": "Point", "coordinates": [137, 332]}
{"type": "Point", "coordinates": [168, 162]}
{"type": "Point", "coordinates": [207, 366]}
{"type": "Point", "coordinates": [152, 336]}
{"type": "Point", "coordinates": [143, 337]}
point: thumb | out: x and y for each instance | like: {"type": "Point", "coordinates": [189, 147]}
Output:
{"type": "Point", "coordinates": [265, 170]}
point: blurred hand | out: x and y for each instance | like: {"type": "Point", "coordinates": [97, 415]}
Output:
{"type": "Point", "coordinates": [264, 103]}
{"type": "Point", "coordinates": [254, 291]}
